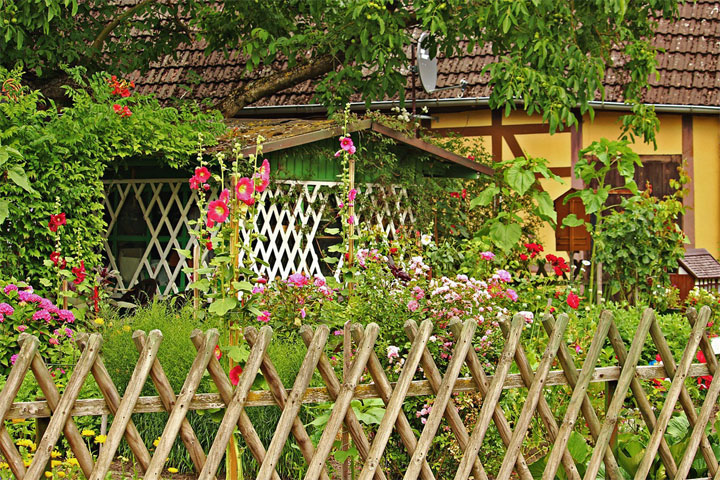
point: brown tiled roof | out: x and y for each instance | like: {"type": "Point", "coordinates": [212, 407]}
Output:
{"type": "Point", "coordinates": [699, 263]}
{"type": "Point", "coordinates": [689, 69]}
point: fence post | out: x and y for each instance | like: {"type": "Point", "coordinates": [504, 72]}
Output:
{"type": "Point", "coordinates": [610, 388]}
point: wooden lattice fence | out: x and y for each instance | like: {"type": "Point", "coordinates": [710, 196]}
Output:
{"type": "Point", "coordinates": [418, 363]}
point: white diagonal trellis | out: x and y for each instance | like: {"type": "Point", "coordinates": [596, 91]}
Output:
{"type": "Point", "coordinates": [292, 217]}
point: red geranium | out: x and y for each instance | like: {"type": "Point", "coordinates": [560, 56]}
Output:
{"type": "Point", "coordinates": [573, 300]}
{"type": "Point", "coordinates": [533, 249]}
{"type": "Point", "coordinates": [558, 264]}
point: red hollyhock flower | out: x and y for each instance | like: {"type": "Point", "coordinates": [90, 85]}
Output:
{"type": "Point", "coordinates": [235, 375]}
{"type": "Point", "coordinates": [55, 257]}
{"type": "Point", "coordinates": [218, 353]}
{"type": "Point", "coordinates": [573, 300]}
{"type": "Point", "coordinates": [704, 381]}
{"type": "Point", "coordinates": [262, 177]}
{"type": "Point", "coordinates": [194, 183]}
{"type": "Point", "coordinates": [244, 190]}
{"type": "Point", "coordinates": [217, 211]}
{"type": "Point", "coordinates": [202, 174]}
{"type": "Point", "coordinates": [56, 221]}
{"type": "Point", "coordinates": [79, 273]}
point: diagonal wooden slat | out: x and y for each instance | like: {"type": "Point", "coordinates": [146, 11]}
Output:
{"type": "Point", "coordinates": [462, 345]}
{"type": "Point", "coordinates": [535, 398]}
{"type": "Point", "coordinates": [432, 374]}
{"type": "Point", "coordinates": [572, 376]}
{"type": "Point", "coordinates": [501, 423]}
{"type": "Point", "coordinates": [385, 390]}
{"type": "Point", "coordinates": [638, 392]}
{"type": "Point", "coordinates": [236, 405]}
{"type": "Point", "coordinates": [710, 358]}
{"type": "Point", "coordinates": [294, 401]}
{"type": "Point", "coordinates": [342, 403]}
{"type": "Point", "coordinates": [579, 394]}
{"type": "Point", "coordinates": [628, 373]}
{"type": "Point", "coordinates": [8, 394]}
{"type": "Point", "coordinates": [685, 400]}
{"type": "Point", "coordinates": [673, 394]}
{"type": "Point", "coordinates": [168, 398]}
{"type": "Point", "coordinates": [182, 405]}
{"type": "Point", "coordinates": [61, 414]}
{"type": "Point", "coordinates": [355, 429]}
{"type": "Point", "coordinates": [272, 377]}
{"type": "Point", "coordinates": [127, 405]}
{"type": "Point", "coordinates": [491, 399]}
{"type": "Point", "coordinates": [225, 390]}
{"type": "Point", "coordinates": [394, 405]}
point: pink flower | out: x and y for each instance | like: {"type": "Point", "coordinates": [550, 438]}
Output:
{"type": "Point", "coordinates": [217, 211]}
{"type": "Point", "coordinates": [224, 196]}
{"type": "Point", "coordinates": [6, 309]}
{"type": "Point", "coordinates": [28, 296]}
{"type": "Point", "coordinates": [504, 275]}
{"type": "Point", "coordinates": [68, 332]}
{"type": "Point", "coordinates": [244, 190]}
{"type": "Point", "coordinates": [13, 359]}
{"type": "Point", "coordinates": [10, 287]}
{"type": "Point", "coordinates": [264, 316]}
{"type": "Point", "coordinates": [338, 153]}
{"type": "Point", "coordinates": [319, 281]}
{"type": "Point", "coordinates": [21, 328]}
{"type": "Point", "coordinates": [202, 174]}
{"type": "Point", "coordinates": [298, 279]}
{"type": "Point", "coordinates": [413, 305]}
{"type": "Point", "coordinates": [194, 183]}
{"type": "Point", "coordinates": [351, 195]}
{"type": "Point", "coordinates": [53, 341]}
{"type": "Point", "coordinates": [235, 374]}
{"type": "Point", "coordinates": [577, 348]}
{"type": "Point", "coordinates": [258, 289]}
{"type": "Point", "coordinates": [419, 292]}
{"type": "Point", "coordinates": [346, 143]}
{"type": "Point", "coordinates": [487, 255]}
{"type": "Point", "coordinates": [41, 315]}
{"type": "Point", "coordinates": [2, 318]}
{"type": "Point", "coordinates": [303, 314]}
{"type": "Point", "coordinates": [337, 332]}
{"type": "Point", "coordinates": [352, 150]}
{"type": "Point", "coordinates": [511, 294]}
{"type": "Point", "coordinates": [393, 352]}
{"type": "Point", "coordinates": [263, 175]}
{"type": "Point", "coordinates": [351, 220]}
{"type": "Point", "coordinates": [218, 352]}
{"type": "Point", "coordinates": [66, 316]}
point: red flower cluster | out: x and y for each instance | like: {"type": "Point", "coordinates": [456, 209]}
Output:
{"type": "Point", "coordinates": [533, 249]}
{"type": "Point", "coordinates": [459, 195]}
{"type": "Point", "coordinates": [56, 259]}
{"type": "Point", "coordinates": [558, 264]}
{"type": "Point", "coordinates": [202, 175]}
{"type": "Point", "coordinates": [704, 381]}
{"type": "Point", "coordinates": [122, 111]}
{"type": "Point", "coordinates": [79, 273]}
{"type": "Point", "coordinates": [56, 221]}
{"type": "Point", "coordinates": [120, 87]}
{"type": "Point", "coordinates": [573, 300]}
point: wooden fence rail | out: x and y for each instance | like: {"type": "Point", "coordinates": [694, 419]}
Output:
{"type": "Point", "coordinates": [626, 376]}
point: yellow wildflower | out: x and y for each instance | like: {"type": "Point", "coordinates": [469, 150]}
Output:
{"type": "Point", "coordinates": [156, 442]}
{"type": "Point", "coordinates": [55, 463]}
{"type": "Point", "coordinates": [99, 321]}
{"type": "Point", "coordinates": [24, 442]}
{"type": "Point", "coordinates": [48, 474]}
{"type": "Point", "coordinates": [55, 454]}
{"type": "Point", "coordinates": [4, 465]}
{"type": "Point", "coordinates": [173, 470]}
{"type": "Point", "coordinates": [26, 463]}
{"type": "Point", "coordinates": [126, 328]}
{"type": "Point", "coordinates": [100, 439]}
{"type": "Point", "coordinates": [72, 461]}
{"type": "Point", "coordinates": [61, 474]}
{"type": "Point", "coordinates": [88, 433]}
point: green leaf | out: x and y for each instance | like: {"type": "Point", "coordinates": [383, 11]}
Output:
{"type": "Point", "coordinates": [342, 455]}
{"type": "Point", "coordinates": [505, 236]}
{"type": "Point", "coordinates": [238, 353]}
{"type": "Point", "coordinates": [520, 179]}
{"type": "Point", "coordinates": [578, 447]}
{"type": "Point", "coordinates": [572, 221]}
{"type": "Point", "coordinates": [4, 210]}
{"type": "Point", "coordinates": [242, 286]}
{"type": "Point", "coordinates": [17, 175]}
{"type": "Point", "coordinates": [332, 231]}
{"type": "Point", "coordinates": [546, 207]}
{"type": "Point", "coordinates": [222, 305]}
{"type": "Point", "coordinates": [183, 252]}
{"type": "Point", "coordinates": [485, 197]}
{"type": "Point", "coordinates": [203, 285]}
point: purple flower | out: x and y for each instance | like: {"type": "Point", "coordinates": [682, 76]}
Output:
{"type": "Point", "coordinates": [487, 255]}
{"type": "Point", "coordinates": [66, 315]}
{"type": "Point", "coordinates": [303, 314]}
{"type": "Point", "coordinates": [13, 359]}
{"type": "Point", "coordinates": [46, 304]}
{"type": "Point", "coordinates": [10, 287]}
{"type": "Point", "coordinates": [504, 275]}
{"type": "Point", "coordinates": [28, 296]}
{"type": "Point", "coordinates": [337, 332]}
{"type": "Point", "coordinates": [68, 332]}
{"type": "Point", "coordinates": [41, 315]}
{"type": "Point", "coordinates": [258, 289]}
{"type": "Point", "coordinates": [6, 309]}
{"type": "Point", "coordinates": [512, 295]}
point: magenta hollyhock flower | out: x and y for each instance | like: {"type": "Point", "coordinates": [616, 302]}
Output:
{"type": "Point", "coordinates": [298, 279]}
{"type": "Point", "coordinates": [413, 305]}
{"type": "Point", "coordinates": [10, 287]}
{"type": "Point", "coordinates": [262, 176]}
{"type": "Point", "coordinates": [202, 174]}
{"type": "Point", "coordinates": [511, 294]}
{"type": "Point", "coordinates": [194, 183]}
{"type": "Point", "coordinates": [235, 374]}
{"type": "Point", "coordinates": [13, 359]}
{"type": "Point", "coordinates": [218, 212]}
{"type": "Point", "coordinates": [66, 316]}
{"type": "Point", "coordinates": [264, 316]}
{"type": "Point", "coordinates": [346, 143]}
{"type": "Point", "coordinates": [224, 196]}
{"type": "Point", "coordinates": [244, 191]}
{"type": "Point", "coordinates": [351, 220]}
{"type": "Point", "coordinates": [6, 309]}
{"type": "Point", "coordinates": [41, 315]}
{"type": "Point", "coordinates": [351, 195]}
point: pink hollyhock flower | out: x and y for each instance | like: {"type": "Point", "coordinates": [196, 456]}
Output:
{"type": "Point", "coordinates": [352, 150]}
{"type": "Point", "coordinates": [338, 153]}
{"type": "Point", "coordinates": [512, 295]}
{"type": "Point", "coordinates": [244, 191]}
{"type": "Point", "coordinates": [573, 300]}
{"type": "Point", "coordinates": [351, 195]}
{"type": "Point", "coordinates": [53, 341]}
{"type": "Point", "coordinates": [194, 183]}
{"type": "Point", "coordinates": [262, 176]}
{"type": "Point", "coordinates": [202, 174]}
{"type": "Point", "coordinates": [487, 255]}
{"type": "Point", "coordinates": [13, 359]}
{"type": "Point", "coordinates": [346, 143]}
{"type": "Point", "coordinates": [264, 316]}
{"type": "Point", "coordinates": [21, 328]}
{"type": "Point", "coordinates": [79, 273]}
{"type": "Point", "coordinates": [413, 305]}
{"type": "Point", "coordinates": [41, 315]}
{"type": "Point", "coordinates": [218, 212]}
{"type": "Point", "coordinates": [66, 316]}
{"type": "Point", "coordinates": [224, 196]}
{"type": "Point", "coordinates": [298, 279]}
{"type": "Point", "coordinates": [10, 287]}
{"type": "Point", "coordinates": [235, 375]}
{"type": "Point", "coordinates": [258, 289]}
{"type": "Point", "coordinates": [6, 309]}
{"type": "Point", "coordinates": [351, 220]}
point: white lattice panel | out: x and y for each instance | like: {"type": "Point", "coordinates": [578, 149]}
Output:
{"type": "Point", "coordinates": [292, 216]}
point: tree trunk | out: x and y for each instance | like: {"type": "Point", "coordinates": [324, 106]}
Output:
{"type": "Point", "coordinates": [263, 87]}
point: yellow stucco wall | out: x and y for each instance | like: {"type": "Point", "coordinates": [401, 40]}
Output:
{"type": "Point", "coordinates": [557, 149]}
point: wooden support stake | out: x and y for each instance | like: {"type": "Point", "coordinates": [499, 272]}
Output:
{"type": "Point", "coordinates": [195, 278]}
{"type": "Point", "coordinates": [347, 352]}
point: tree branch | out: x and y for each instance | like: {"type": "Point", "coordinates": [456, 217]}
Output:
{"type": "Point", "coordinates": [102, 36]}
{"type": "Point", "coordinates": [269, 85]}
